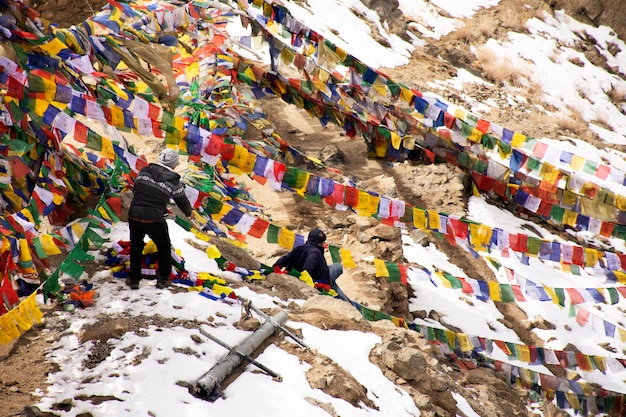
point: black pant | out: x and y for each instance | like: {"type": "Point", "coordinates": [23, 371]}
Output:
{"type": "Point", "coordinates": [159, 234]}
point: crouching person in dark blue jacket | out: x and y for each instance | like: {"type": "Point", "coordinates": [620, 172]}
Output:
{"type": "Point", "coordinates": [310, 257]}
{"type": "Point", "coordinates": [154, 186]}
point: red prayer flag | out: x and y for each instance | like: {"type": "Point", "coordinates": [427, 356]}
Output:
{"type": "Point", "coordinates": [352, 196]}
{"type": "Point", "coordinates": [258, 228]}
{"type": "Point", "coordinates": [582, 316]}
{"type": "Point", "coordinates": [575, 296]}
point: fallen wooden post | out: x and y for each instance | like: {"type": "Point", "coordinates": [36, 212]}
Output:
{"type": "Point", "coordinates": [207, 386]}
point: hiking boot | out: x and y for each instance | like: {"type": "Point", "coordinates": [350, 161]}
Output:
{"type": "Point", "coordinates": [163, 283]}
{"type": "Point", "coordinates": [132, 283]}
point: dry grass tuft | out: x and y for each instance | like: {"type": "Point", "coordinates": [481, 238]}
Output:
{"type": "Point", "coordinates": [617, 93]}
{"type": "Point", "coordinates": [497, 69]}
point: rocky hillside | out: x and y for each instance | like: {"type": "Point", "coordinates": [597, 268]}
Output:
{"type": "Point", "coordinates": [440, 187]}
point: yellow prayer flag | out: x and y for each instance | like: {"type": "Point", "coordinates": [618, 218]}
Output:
{"type": "Point", "coordinates": [569, 218]}
{"type": "Point", "coordinates": [523, 352]}
{"type": "Point", "coordinates": [464, 342]}
{"type": "Point", "coordinates": [419, 218]}
{"type": "Point", "coordinates": [150, 247]}
{"type": "Point", "coordinates": [213, 252]}
{"type": "Point", "coordinates": [475, 135]}
{"type": "Point", "coordinates": [26, 213]}
{"type": "Point", "coordinates": [459, 113]}
{"type": "Point", "coordinates": [620, 202]}
{"type": "Point", "coordinates": [107, 150]}
{"type": "Point", "coordinates": [504, 151]}
{"type": "Point", "coordinates": [54, 46]}
{"type": "Point", "coordinates": [8, 328]}
{"type": "Point", "coordinates": [118, 91]}
{"type": "Point", "coordinates": [373, 203]}
{"type": "Point", "coordinates": [451, 338]}
{"type": "Point", "coordinates": [494, 291]}
{"type": "Point", "coordinates": [103, 213]}
{"type": "Point", "coordinates": [221, 289]}
{"type": "Point", "coordinates": [49, 247]}
{"type": "Point", "coordinates": [25, 255]}
{"type": "Point", "coordinates": [41, 106]}
{"type": "Point", "coordinates": [569, 198]}
{"type": "Point", "coordinates": [287, 56]}
{"type": "Point", "coordinates": [346, 258]}
{"type": "Point", "coordinates": [305, 277]}
{"type": "Point", "coordinates": [518, 140]}
{"type": "Point", "coordinates": [577, 162]}
{"type": "Point", "coordinates": [250, 73]}
{"type": "Point", "coordinates": [381, 268]}
{"type": "Point", "coordinates": [225, 209]}
{"type": "Point", "coordinates": [117, 116]}
{"type": "Point", "coordinates": [286, 238]}
{"type": "Point", "coordinates": [480, 235]}
{"type": "Point", "coordinates": [621, 277]}
{"type": "Point", "coordinates": [573, 400]}
{"type": "Point", "coordinates": [552, 294]}
{"type": "Point", "coordinates": [622, 334]}
{"type": "Point", "coordinates": [363, 201]}
{"type": "Point", "coordinates": [591, 257]}
{"type": "Point", "coordinates": [445, 282]}
{"type": "Point", "coordinates": [395, 140]}
{"type": "Point", "coordinates": [406, 95]}
{"type": "Point", "coordinates": [22, 319]}
{"type": "Point", "coordinates": [30, 305]}
{"type": "Point", "coordinates": [434, 222]}
{"type": "Point", "coordinates": [380, 89]}
{"type": "Point", "coordinates": [600, 362]}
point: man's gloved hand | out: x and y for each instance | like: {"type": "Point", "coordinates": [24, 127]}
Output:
{"type": "Point", "coordinates": [196, 224]}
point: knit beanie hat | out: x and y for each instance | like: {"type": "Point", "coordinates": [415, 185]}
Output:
{"type": "Point", "coordinates": [316, 236]}
{"type": "Point", "coordinates": [169, 157]}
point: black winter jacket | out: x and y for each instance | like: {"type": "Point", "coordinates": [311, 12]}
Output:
{"type": "Point", "coordinates": [308, 257]}
{"type": "Point", "coordinates": [154, 186]}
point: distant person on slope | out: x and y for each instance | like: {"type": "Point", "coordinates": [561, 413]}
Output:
{"type": "Point", "coordinates": [310, 257]}
{"type": "Point", "coordinates": [154, 186]}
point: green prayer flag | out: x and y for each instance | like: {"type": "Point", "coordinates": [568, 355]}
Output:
{"type": "Point", "coordinates": [613, 295]}
{"type": "Point", "coordinates": [560, 293]}
{"type": "Point", "coordinates": [272, 233]}
{"type": "Point", "coordinates": [394, 272]}
{"type": "Point", "coordinates": [334, 253]}
{"type": "Point", "coordinates": [556, 213]}
{"type": "Point", "coordinates": [506, 293]}
{"type": "Point", "coordinates": [39, 248]}
{"type": "Point", "coordinates": [184, 223]}
{"type": "Point", "coordinates": [94, 140]}
{"type": "Point", "coordinates": [73, 269]}
{"type": "Point", "coordinates": [213, 206]}
{"type": "Point", "coordinates": [466, 129]}
{"type": "Point", "coordinates": [430, 335]}
{"type": "Point", "coordinates": [488, 141]}
{"type": "Point", "coordinates": [534, 245]}
{"type": "Point", "coordinates": [513, 348]}
{"type": "Point", "coordinates": [51, 285]}
{"type": "Point", "coordinates": [20, 147]}
{"type": "Point", "coordinates": [454, 281]}
{"type": "Point", "coordinates": [533, 163]}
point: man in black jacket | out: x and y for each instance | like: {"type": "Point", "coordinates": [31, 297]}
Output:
{"type": "Point", "coordinates": [154, 186]}
{"type": "Point", "coordinates": [310, 257]}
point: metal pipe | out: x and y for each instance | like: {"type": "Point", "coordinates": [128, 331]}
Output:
{"type": "Point", "coordinates": [208, 383]}
{"type": "Point", "coordinates": [241, 355]}
{"type": "Point", "coordinates": [248, 304]}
